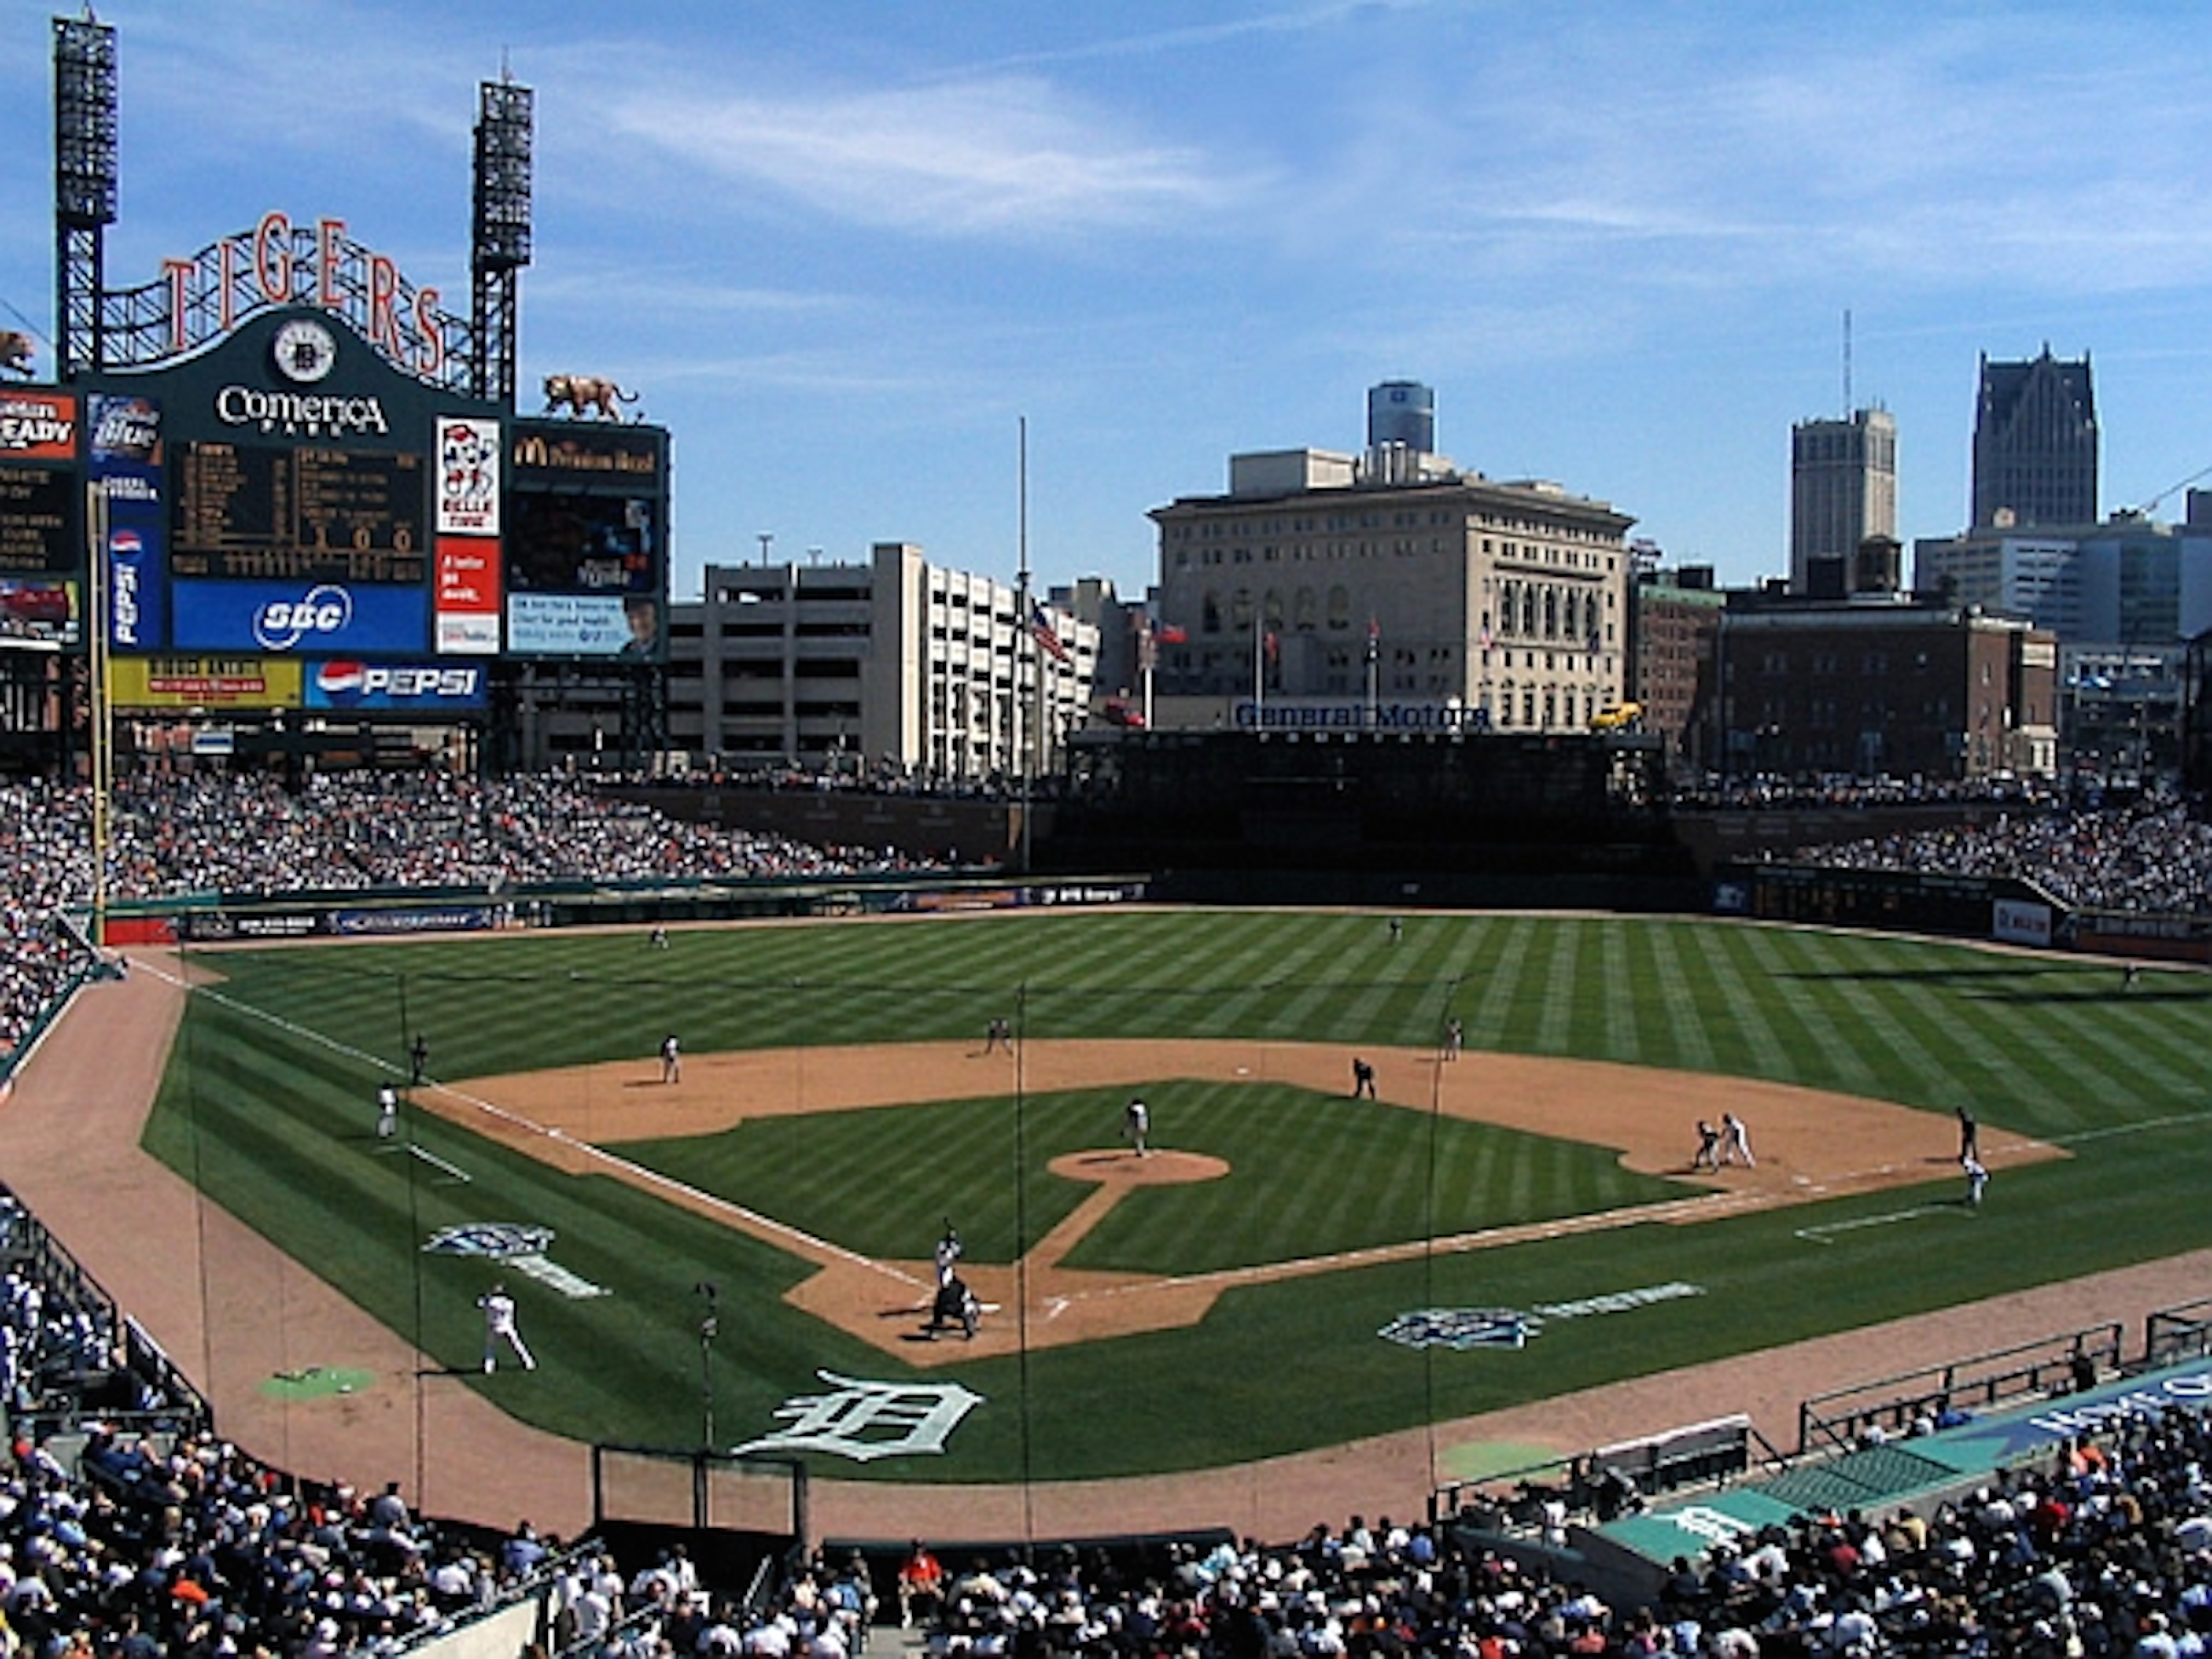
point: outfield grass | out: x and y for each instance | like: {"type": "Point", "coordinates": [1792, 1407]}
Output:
{"type": "Point", "coordinates": [268, 1100]}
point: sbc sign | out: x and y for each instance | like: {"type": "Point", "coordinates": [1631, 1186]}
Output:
{"type": "Point", "coordinates": [305, 619]}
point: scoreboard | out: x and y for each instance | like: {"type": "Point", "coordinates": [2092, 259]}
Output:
{"type": "Point", "coordinates": [254, 512]}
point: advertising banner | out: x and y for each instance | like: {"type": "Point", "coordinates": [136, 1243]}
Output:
{"type": "Point", "coordinates": [582, 625]}
{"type": "Point", "coordinates": [37, 611]}
{"type": "Point", "coordinates": [425, 688]}
{"type": "Point", "coordinates": [310, 618]}
{"type": "Point", "coordinates": [138, 593]}
{"type": "Point", "coordinates": [38, 426]}
{"type": "Point", "coordinates": [467, 605]}
{"type": "Point", "coordinates": [127, 461]}
{"type": "Point", "coordinates": [2015, 922]}
{"type": "Point", "coordinates": [468, 477]}
{"type": "Point", "coordinates": [203, 682]}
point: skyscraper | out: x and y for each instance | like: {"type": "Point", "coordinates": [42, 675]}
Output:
{"type": "Point", "coordinates": [2035, 444]}
{"type": "Point", "coordinates": [1843, 489]}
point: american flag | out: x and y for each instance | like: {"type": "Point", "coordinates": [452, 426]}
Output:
{"type": "Point", "coordinates": [1046, 635]}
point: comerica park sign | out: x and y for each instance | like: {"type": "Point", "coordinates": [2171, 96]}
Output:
{"type": "Point", "coordinates": [278, 263]}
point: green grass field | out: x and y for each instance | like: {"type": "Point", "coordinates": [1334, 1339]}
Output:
{"type": "Point", "coordinates": [266, 1104]}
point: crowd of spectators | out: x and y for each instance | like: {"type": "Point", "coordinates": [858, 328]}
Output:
{"type": "Point", "coordinates": [229, 833]}
{"type": "Point", "coordinates": [2102, 1548]}
{"type": "Point", "coordinates": [1753, 790]}
{"type": "Point", "coordinates": [147, 1534]}
{"type": "Point", "coordinates": [2150, 858]}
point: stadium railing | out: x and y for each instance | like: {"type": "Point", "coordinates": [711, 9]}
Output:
{"type": "Point", "coordinates": [1843, 1417]}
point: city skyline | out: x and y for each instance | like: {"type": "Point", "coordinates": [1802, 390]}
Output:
{"type": "Point", "coordinates": [843, 256]}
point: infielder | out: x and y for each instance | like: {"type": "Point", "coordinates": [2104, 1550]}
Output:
{"type": "Point", "coordinates": [1363, 1080]}
{"type": "Point", "coordinates": [671, 1059]}
{"type": "Point", "coordinates": [500, 1327]}
{"type": "Point", "coordinates": [1136, 1124]}
{"type": "Point", "coordinates": [1738, 1141]}
{"type": "Point", "coordinates": [1977, 1178]}
{"type": "Point", "coordinates": [387, 1112]}
{"type": "Point", "coordinates": [1709, 1147]}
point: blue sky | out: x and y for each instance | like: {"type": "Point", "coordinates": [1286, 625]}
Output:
{"type": "Point", "coordinates": [843, 249]}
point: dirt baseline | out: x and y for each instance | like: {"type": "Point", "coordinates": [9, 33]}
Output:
{"type": "Point", "coordinates": [1809, 1145]}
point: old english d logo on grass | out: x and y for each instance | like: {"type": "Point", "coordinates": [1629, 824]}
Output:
{"type": "Point", "coordinates": [867, 1420]}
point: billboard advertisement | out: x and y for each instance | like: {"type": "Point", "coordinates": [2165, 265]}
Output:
{"type": "Point", "coordinates": [311, 618]}
{"type": "Point", "coordinates": [583, 625]}
{"type": "Point", "coordinates": [467, 598]}
{"type": "Point", "coordinates": [423, 688]}
{"type": "Point", "coordinates": [38, 426]}
{"type": "Point", "coordinates": [126, 457]}
{"type": "Point", "coordinates": [468, 477]}
{"type": "Point", "coordinates": [203, 682]}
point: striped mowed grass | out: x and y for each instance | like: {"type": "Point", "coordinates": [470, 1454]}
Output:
{"type": "Point", "coordinates": [267, 1104]}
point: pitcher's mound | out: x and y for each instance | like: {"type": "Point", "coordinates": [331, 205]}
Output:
{"type": "Point", "coordinates": [1119, 1166]}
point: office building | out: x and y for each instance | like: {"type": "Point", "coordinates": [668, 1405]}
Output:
{"type": "Point", "coordinates": [2035, 445]}
{"type": "Point", "coordinates": [896, 666]}
{"type": "Point", "coordinates": [1843, 489]}
{"type": "Point", "coordinates": [1389, 590]}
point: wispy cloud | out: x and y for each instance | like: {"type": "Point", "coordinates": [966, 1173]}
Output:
{"type": "Point", "coordinates": [1006, 155]}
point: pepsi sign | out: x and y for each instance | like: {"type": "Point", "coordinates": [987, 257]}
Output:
{"type": "Point", "coordinates": [309, 619]}
{"type": "Point", "coordinates": [424, 688]}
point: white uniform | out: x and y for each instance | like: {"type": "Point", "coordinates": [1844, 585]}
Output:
{"type": "Point", "coordinates": [387, 1112]}
{"type": "Point", "coordinates": [671, 1059]}
{"type": "Point", "coordinates": [500, 1327]}
{"type": "Point", "coordinates": [1136, 1123]}
{"type": "Point", "coordinates": [1738, 1141]}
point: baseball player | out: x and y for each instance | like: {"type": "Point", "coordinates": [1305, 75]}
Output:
{"type": "Point", "coordinates": [500, 1327]}
{"type": "Point", "coordinates": [387, 1112]}
{"type": "Point", "coordinates": [1970, 1135]}
{"type": "Point", "coordinates": [1454, 1037]}
{"type": "Point", "coordinates": [999, 1034]}
{"type": "Point", "coordinates": [949, 1252]}
{"type": "Point", "coordinates": [1736, 1141]}
{"type": "Point", "coordinates": [1707, 1155]}
{"type": "Point", "coordinates": [1362, 1078]}
{"type": "Point", "coordinates": [671, 1059]}
{"type": "Point", "coordinates": [418, 1060]}
{"type": "Point", "coordinates": [1136, 1124]}
{"type": "Point", "coordinates": [1977, 1178]}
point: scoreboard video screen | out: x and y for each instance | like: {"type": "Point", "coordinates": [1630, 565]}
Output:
{"type": "Point", "coordinates": [247, 512]}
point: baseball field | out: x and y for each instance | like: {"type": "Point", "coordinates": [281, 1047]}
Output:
{"type": "Point", "coordinates": [1290, 1268]}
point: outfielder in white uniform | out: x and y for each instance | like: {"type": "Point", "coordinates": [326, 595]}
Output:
{"type": "Point", "coordinates": [500, 1327]}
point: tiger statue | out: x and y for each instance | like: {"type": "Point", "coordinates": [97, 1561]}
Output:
{"type": "Point", "coordinates": [593, 395]}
